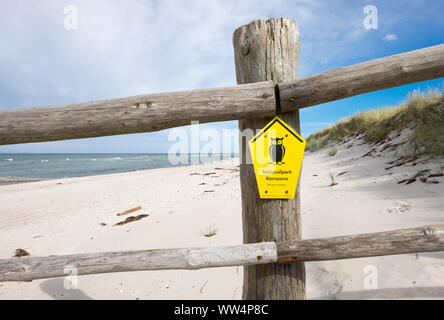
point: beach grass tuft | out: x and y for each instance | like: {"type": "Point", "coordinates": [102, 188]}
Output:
{"type": "Point", "coordinates": [211, 231]}
{"type": "Point", "coordinates": [333, 151]}
{"type": "Point", "coordinates": [332, 178]}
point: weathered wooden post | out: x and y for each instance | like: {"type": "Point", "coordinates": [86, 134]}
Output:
{"type": "Point", "coordinates": [268, 50]}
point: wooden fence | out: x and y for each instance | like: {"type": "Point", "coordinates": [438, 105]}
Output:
{"type": "Point", "coordinates": [153, 112]}
{"type": "Point", "coordinates": [425, 239]}
{"type": "Point", "coordinates": [266, 55]}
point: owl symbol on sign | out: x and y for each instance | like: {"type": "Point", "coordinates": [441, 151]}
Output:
{"type": "Point", "coordinates": [277, 150]}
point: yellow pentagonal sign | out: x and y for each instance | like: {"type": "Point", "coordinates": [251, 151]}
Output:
{"type": "Point", "coordinates": [277, 152]}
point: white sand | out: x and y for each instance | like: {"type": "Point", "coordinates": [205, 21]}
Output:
{"type": "Point", "coordinates": [64, 216]}
{"type": "Point", "coordinates": [368, 199]}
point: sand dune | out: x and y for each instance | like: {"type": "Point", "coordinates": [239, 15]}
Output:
{"type": "Point", "coordinates": [68, 216]}
{"type": "Point", "coordinates": [368, 198]}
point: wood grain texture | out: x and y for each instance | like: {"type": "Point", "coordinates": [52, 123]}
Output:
{"type": "Point", "coordinates": [32, 268]}
{"type": "Point", "coordinates": [143, 113]}
{"type": "Point", "coordinates": [423, 239]}
{"type": "Point", "coordinates": [154, 112]}
{"type": "Point", "coordinates": [388, 72]}
{"type": "Point", "coordinates": [268, 50]}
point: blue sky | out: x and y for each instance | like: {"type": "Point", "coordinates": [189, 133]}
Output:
{"type": "Point", "coordinates": [124, 48]}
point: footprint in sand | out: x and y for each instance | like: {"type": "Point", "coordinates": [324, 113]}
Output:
{"type": "Point", "coordinates": [329, 282]}
{"type": "Point", "coordinates": [402, 206]}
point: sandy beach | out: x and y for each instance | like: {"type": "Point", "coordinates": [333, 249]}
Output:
{"type": "Point", "coordinates": [78, 215]}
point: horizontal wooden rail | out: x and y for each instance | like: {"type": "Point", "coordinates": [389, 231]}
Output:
{"type": "Point", "coordinates": [31, 268]}
{"type": "Point", "coordinates": [154, 112]}
{"type": "Point", "coordinates": [424, 239]}
{"type": "Point", "coordinates": [384, 73]}
{"type": "Point", "coordinates": [143, 113]}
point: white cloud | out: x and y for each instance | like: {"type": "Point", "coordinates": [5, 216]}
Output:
{"type": "Point", "coordinates": [130, 47]}
{"type": "Point", "coordinates": [390, 37]}
{"type": "Point", "coordinates": [145, 46]}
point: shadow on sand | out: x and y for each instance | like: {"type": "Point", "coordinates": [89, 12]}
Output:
{"type": "Point", "coordinates": [56, 290]}
{"type": "Point", "coordinates": [390, 293]}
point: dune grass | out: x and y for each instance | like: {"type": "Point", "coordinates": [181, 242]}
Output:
{"type": "Point", "coordinates": [332, 178]}
{"type": "Point", "coordinates": [422, 112]}
{"type": "Point", "coordinates": [211, 231]}
{"type": "Point", "coordinates": [332, 152]}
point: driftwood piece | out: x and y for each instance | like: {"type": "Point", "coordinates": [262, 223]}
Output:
{"type": "Point", "coordinates": [20, 253]}
{"type": "Point", "coordinates": [129, 211]}
{"type": "Point", "coordinates": [131, 219]}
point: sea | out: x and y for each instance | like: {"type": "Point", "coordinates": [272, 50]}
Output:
{"type": "Point", "coordinates": [66, 165]}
